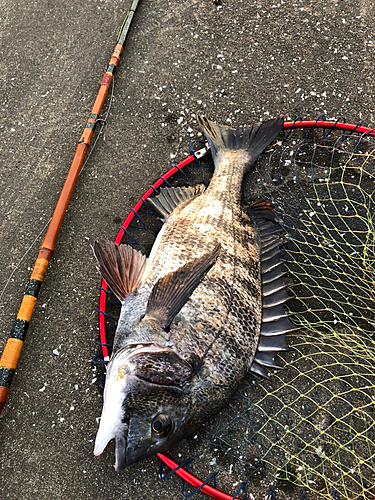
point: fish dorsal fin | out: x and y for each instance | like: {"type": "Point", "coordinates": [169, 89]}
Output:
{"type": "Point", "coordinates": [275, 322]}
{"type": "Point", "coordinates": [170, 198]}
{"type": "Point", "coordinates": [121, 266]}
{"type": "Point", "coordinates": [172, 291]}
{"type": "Point", "coordinates": [253, 138]}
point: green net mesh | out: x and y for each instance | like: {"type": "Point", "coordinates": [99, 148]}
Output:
{"type": "Point", "coordinates": [320, 432]}
{"type": "Point", "coordinates": [309, 431]}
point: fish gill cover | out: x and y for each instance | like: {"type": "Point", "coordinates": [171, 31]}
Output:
{"type": "Point", "coordinates": [309, 431]}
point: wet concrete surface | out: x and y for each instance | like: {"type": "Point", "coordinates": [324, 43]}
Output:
{"type": "Point", "coordinates": [234, 63]}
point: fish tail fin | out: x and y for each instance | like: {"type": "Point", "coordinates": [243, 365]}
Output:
{"type": "Point", "coordinates": [253, 138]}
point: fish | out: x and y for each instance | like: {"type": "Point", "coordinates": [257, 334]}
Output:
{"type": "Point", "coordinates": [204, 309]}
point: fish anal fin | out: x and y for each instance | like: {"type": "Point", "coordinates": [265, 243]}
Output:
{"type": "Point", "coordinates": [121, 266]}
{"type": "Point", "coordinates": [169, 199]}
{"type": "Point", "coordinates": [171, 292]}
{"type": "Point", "coordinates": [262, 210]}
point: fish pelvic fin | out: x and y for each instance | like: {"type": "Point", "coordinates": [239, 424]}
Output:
{"type": "Point", "coordinates": [253, 138]}
{"type": "Point", "coordinates": [122, 267]}
{"type": "Point", "coordinates": [169, 199]}
{"type": "Point", "coordinates": [172, 291]}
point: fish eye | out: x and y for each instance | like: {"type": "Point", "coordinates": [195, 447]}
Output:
{"type": "Point", "coordinates": [161, 425]}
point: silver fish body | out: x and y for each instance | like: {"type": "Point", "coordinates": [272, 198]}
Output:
{"type": "Point", "coordinates": [191, 319]}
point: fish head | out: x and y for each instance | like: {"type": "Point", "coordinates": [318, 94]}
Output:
{"type": "Point", "coordinates": [147, 402]}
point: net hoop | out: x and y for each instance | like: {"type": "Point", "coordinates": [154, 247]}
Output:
{"type": "Point", "coordinates": [288, 127]}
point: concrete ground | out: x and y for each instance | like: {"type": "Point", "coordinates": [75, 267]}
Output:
{"type": "Point", "coordinates": [241, 61]}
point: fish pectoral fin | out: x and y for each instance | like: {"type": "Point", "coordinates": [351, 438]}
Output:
{"type": "Point", "coordinates": [170, 198]}
{"type": "Point", "coordinates": [121, 266]}
{"type": "Point", "coordinates": [172, 291]}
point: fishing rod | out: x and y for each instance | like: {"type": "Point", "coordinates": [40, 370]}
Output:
{"type": "Point", "coordinates": [13, 347]}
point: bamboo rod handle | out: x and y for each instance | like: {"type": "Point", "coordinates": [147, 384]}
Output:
{"type": "Point", "coordinates": [13, 347]}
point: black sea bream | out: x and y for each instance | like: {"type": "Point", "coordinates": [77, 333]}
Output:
{"type": "Point", "coordinates": [191, 317]}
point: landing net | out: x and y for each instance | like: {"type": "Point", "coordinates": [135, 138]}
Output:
{"type": "Point", "coordinates": [309, 431]}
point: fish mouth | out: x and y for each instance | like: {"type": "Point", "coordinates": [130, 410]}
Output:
{"type": "Point", "coordinates": [120, 448]}
{"type": "Point", "coordinates": [120, 434]}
